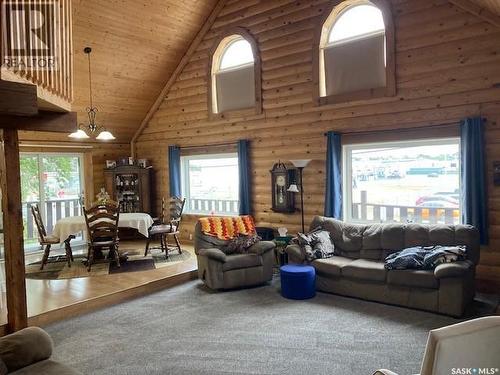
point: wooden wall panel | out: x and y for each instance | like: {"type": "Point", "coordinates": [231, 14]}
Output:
{"type": "Point", "coordinates": [447, 69]}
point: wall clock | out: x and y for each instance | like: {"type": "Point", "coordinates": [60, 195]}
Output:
{"type": "Point", "coordinates": [281, 178]}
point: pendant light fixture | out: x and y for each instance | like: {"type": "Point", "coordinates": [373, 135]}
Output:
{"type": "Point", "coordinates": [92, 127]}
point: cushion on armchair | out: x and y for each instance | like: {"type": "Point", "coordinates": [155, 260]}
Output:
{"type": "Point", "coordinates": [240, 244]}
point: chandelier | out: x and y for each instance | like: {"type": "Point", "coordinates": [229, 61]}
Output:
{"type": "Point", "coordinates": [92, 127]}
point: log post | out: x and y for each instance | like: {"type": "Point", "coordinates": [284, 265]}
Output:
{"type": "Point", "coordinates": [10, 180]}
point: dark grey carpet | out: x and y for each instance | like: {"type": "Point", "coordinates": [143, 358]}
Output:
{"type": "Point", "coordinates": [189, 330]}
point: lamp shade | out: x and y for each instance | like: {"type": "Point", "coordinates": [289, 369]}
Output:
{"type": "Point", "coordinates": [300, 163]}
{"type": "Point", "coordinates": [105, 136]}
{"type": "Point", "coordinates": [293, 188]}
{"type": "Point", "coordinates": [79, 134]}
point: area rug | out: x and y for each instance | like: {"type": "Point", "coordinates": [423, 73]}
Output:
{"type": "Point", "coordinates": [57, 267]}
{"type": "Point", "coordinates": [189, 329]}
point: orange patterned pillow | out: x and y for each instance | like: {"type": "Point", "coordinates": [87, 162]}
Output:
{"type": "Point", "coordinates": [226, 228]}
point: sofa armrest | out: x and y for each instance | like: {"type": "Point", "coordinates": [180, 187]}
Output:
{"type": "Point", "coordinates": [25, 347]}
{"type": "Point", "coordinates": [295, 254]}
{"type": "Point", "coordinates": [384, 372]}
{"type": "Point", "coordinates": [214, 254]}
{"type": "Point", "coordinates": [261, 247]}
{"type": "Point", "coordinates": [454, 269]}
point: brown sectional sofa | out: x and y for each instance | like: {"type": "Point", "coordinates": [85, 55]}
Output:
{"type": "Point", "coordinates": [358, 268]}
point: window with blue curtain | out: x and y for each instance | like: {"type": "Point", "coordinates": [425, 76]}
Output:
{"type": "Point", "coordinates": [244, 174]}
{"type": "Point", "coordinates": [174, 170]}
{"type": "Point", "coordinates": [333, 194]}
{"type": "Point", "coordinates": [474, 200]}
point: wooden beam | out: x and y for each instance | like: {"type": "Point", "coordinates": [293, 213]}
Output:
{"type": "Point", "coordinates": [18, 99]}
{"type": "Point", "coordinates": [182, 63]}
{"type": "Point", "coordinates": [478, 11]}
{"type": "Point", "coordinates": [44, 121]}
{"type": "Point", "coordinates": [17, 315]}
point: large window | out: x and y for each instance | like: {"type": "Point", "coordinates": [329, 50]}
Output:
{"type": "Point", "coordinates": [235, 74]}
{"type": "Point", "coordinates": [417, 181]}
{"type": "Point", "coordinates": [55, 182]}
{"type": "Point", "coordinates": [353, 50]}
{"type": "Point", "coordinates": [210, 184]}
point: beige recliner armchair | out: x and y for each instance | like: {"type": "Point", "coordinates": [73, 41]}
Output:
{"type": "Point", "coordinates": [220, 271]}
{"type": "Point", "coordinates": [471, 346]}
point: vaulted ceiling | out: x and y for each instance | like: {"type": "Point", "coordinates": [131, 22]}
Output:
{"type": "Point", "coordinates": [136, 45]}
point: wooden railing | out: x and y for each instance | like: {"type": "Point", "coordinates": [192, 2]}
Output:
{"type": "Point", "coordinates": [51, 72]}
{"type": "Point", "coordinates": [377, 213]}
{"type": "Point", "coordinates": [53, 210]}
{"type": "Point", "coordinates": [212, 206]}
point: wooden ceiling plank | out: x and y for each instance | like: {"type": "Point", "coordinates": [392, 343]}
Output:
{"type": "Point", "coordinates": [183, 62]}
{"type": "Point", "coordinates": [477, 10]}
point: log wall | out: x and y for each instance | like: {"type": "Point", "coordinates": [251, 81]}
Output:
{"type": "Point", "coordinates": [447, 68]}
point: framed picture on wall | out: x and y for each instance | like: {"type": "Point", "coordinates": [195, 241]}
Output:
{"type": "Point", "coordinates": [110, 164]}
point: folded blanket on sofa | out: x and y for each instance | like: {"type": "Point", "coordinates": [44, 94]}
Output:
{"type": "Point", "coordinates": [424, 257]}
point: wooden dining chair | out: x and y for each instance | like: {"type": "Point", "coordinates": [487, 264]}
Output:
{"type": "Point", "coordinates": [102, 231]}
{"type": "Point", "coordinates": [46, 241]}
{"type": "Point", "coordinates": [163, 227]}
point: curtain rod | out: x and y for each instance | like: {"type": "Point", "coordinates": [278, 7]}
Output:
{"type": "Point", "coordinates": [395, 130]}
{"type": "Point", "coordinates": [209, 145]}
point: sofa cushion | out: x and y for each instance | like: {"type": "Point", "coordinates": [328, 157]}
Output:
{"type": "Point", "coordinates": [237, 261]}
{"type": "Point", "coordinates": [413, 278]}
{"type": "Point", "coordinates": [365, 269]}
{"type": "Point", "coordinates": [331, 266]}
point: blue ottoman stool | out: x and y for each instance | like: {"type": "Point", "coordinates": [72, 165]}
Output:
{"type": "Point", "coordinates": [298, 281]}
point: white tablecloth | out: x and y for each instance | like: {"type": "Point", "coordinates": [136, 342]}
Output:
{"type": "Point", "coordinates": [76, 224]}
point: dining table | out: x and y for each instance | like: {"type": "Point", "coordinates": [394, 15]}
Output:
{"type": "Point", "coordinates": [73, 225]}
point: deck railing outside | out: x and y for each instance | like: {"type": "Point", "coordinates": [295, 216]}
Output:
{"type": "Point", "coordinates": [377, 213]}
{"type": "Point", "coordinates": [212, 206]}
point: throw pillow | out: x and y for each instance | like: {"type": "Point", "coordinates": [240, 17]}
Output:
{"type": "Point", "coordinates": [240, 244]}
{"type": "Point", "coordinates": [317, 244]}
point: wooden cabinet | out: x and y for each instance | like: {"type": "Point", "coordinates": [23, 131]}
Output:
{"type": "Point", "coordinates": [130, 186]}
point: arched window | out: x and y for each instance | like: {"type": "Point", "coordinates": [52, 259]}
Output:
{"type": "Point", "coordinates": [356, 52]}
{"type": "Point", "coordinates": [235, 74]}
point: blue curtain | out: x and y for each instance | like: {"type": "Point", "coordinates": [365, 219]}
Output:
{"type": "Point", "coordinates": [174, 170]}
{"type": "Point", "coordinates": [244, 175]}
{"type": "Point", "coordinates": [474, 210]}
{"type": "Point", "coordinates": [333, 196]}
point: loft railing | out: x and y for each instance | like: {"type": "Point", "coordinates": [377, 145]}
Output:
{"type": "Point", "coordinates": [212, 206]}
{"type": "Point", "coordinates": [51, 72]}
{"type": "Point", "coordinates": [377, 213]}
{"type": "Point", "coordinates": [53, 210]}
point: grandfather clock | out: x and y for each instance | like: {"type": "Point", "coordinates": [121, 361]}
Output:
{"type": "Point", "coordinates": [281, 178]}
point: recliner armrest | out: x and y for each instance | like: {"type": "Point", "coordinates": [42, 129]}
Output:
{"type": "Point", "coordinates": [25, 347]}
{"type": "Point", "coordinates": [295, 254]}
{"type": "Point", "coordinates": [213, 253]}
{"type": "Point", "coordinates": [454, 269]}
{"type": "Point", "coordinates": [261, 247]}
